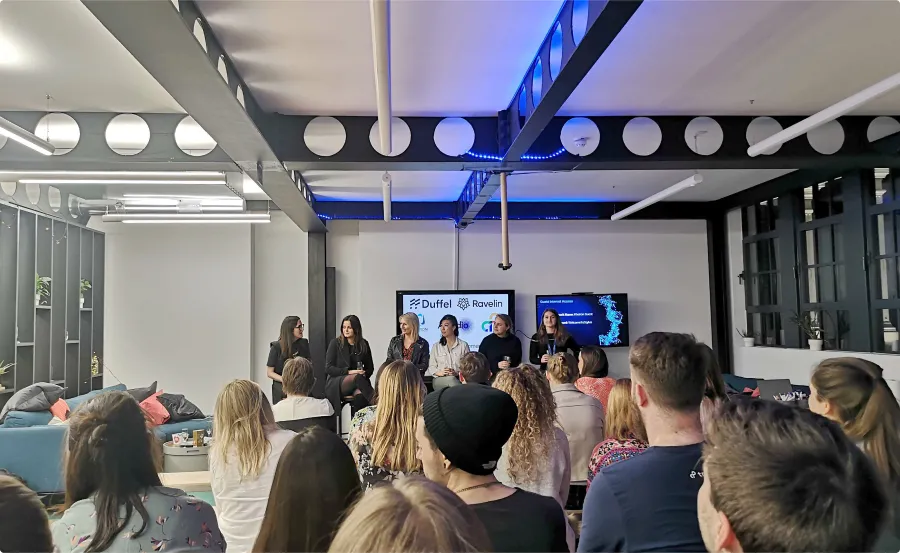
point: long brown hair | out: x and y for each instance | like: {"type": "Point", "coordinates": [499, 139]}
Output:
{"type": "Point", "coordinates": [110, 457]}
{"type": "Point", "coordinates": [534, 435]}
{"type": "Point", "coordinates": [596, 365]}
{"type": "Point", "coordinates": [358, 339]}
{"type": "Point", "coordinates": [561, 336]}
{"type": "Point", "coordinates": [623, 418]}
{"type": "Point", "coordinates": [23, 520]}
{"type": "Point", "coordinates": [865, 407]}
{"type": "Point", "coordinates": [715, 383]}
{"type": "Point", "coordinates": [243, 416]}
{"type": "Point", "coordinates": [400, 395]}
{"type": "Point", "coordinates": [411, 515]}
{"type": "Point", "coordinates": [315, 464]}
{"type": "Point", "coordinates": [286, 338]}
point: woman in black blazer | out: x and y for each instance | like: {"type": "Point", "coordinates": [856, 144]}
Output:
{"type": "Point", "coordinates": [408, 345]}
{"type": "Point", "coordinates": [348, 364]}
{"type": "Point", "coordinates": [290, 343]}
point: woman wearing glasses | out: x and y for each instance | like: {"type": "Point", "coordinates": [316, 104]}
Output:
{"type": "Point", "coordinates": [290, 344]}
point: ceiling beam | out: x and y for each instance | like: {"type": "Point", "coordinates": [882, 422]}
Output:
{"type": "Point", "coordinates": [161, 38]}
{"type": "Point", "coordinates": [605, 20]}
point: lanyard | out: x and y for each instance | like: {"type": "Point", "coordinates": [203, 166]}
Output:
{"type": "Point", "coordinates": [551, 346]}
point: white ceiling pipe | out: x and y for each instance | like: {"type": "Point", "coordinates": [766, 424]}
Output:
{"type": "Point", "coordinates": [25, 138]}
{"type": "Point", "coordinates": [659, 196]}
{"type": "Point", "coordinates": [386, 194]}
{"type": "Point", "coordinates": [828, 114]}
{"type": "Point", "coordinates": [381, 50]}
{"type": "Point", "coordinates": [504, 225]}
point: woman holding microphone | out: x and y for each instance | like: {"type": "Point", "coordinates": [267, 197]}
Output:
{"type": "Point", "coordinates": [348, 364]}
{"type": "Point", "coordinates": [290, 343]}
{"type": "Point", "coordinates": [550, 339]}
{"type": "Point", "coordinates": [445, 355]}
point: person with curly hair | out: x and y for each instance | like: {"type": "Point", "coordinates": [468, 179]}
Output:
{"type": "Point", "coordinates": [536, 458]}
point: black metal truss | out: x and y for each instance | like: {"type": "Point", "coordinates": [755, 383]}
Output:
{"type": "Point", "coordinates": [161, 38]}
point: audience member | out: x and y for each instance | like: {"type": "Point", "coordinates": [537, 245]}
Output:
{"type": "Point", "coordinates": [460, 451]}
{"type": "Point", "coordinates": [446, 355]}
{"type": "Point", "coordinates": [242, 460]}
{"type": "Point", "coordinates": [382, 436]}
{"type": "Point", "coordinates": [473, 369]}
{"type": "Point", "coordinates": [594, 370]}
{"type": "Point", "coordinates": [502, 348]}
{"type": "Point", "coordinates": [290, 344]}
{"type": "Point", "coordinates": [408, 345]}
{"type": "Point", "coordinates": [625, 433]}
{"type": "Point", "coordinates": [649, 503]}
{"type": "Point", "coordinates": [413, 515]}
{"type": "Point", "coordinates": [715, 386]}
{"type": "Point", "coordinates": [853, 393]}
{"type": "Point", "coordinates": [298, 379]}
{"type": "Point", "coordinates": [114, 499]}
{"type": "Point", "coordinates": [580, 415]}
{"type": "Point", "coordinates": [349, 366]}
{"type": "Point", "coordinates": [779, 478]}
{"type": "Point", "coordinates": [24, 527]}
{"type": "Point", "coordinates": [315, 465]}
{"type": "Point", "coordinates": [550, 339]}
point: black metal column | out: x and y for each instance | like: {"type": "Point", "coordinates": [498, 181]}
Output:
{"type": "Point", "coordinates": [317, 317]}
{"type": "Point", "coordinates": [719, 297]}
{"type": "Point", "coordinates": [854, 184]}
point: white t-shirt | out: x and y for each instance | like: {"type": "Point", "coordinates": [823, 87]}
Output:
{"type": "Point", "coordinates": [294, 408]}
{"type": "Point", "coordinates": [241, 505]}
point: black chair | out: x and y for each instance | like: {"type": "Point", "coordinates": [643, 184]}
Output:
{"type": "Point", "coordinates": [328, 423]}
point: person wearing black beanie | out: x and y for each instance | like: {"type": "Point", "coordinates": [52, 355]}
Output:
{"type": "Point", "coordinates": [460, 438]}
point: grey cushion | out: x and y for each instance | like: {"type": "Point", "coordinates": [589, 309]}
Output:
{"type": "Point", "coordinates": [37, 397]}
{"type": "Point", "coordinates": [140, 394]}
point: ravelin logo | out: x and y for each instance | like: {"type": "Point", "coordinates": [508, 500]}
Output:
{"type": "Point", "coordinates": [463, 303]}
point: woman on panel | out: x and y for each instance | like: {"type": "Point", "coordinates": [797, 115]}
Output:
{"type": "Point", "coordinates": [445, 355]}
{"type": "Point", "coordinates": [408, 345]}
{"type": "Point", "coordinates": [290, 343]}
{"type": "Point", "coordinates": [502, 348]}
{"type": "Point", "coordinates": [550, 339]}
{"type": "Point", "coordinates": [348, 364]}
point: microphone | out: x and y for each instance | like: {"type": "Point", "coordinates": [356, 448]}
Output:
{"type": "Point", "coordinates": [527, 337]}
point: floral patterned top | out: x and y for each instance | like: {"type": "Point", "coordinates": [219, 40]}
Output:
{"type": "Point", "coordinates": [408, 351]}
{"type": "Point", "coordinates": [362, 429]}
{"type": "Point", "coordinates": [612, 451]}
{"type": "Point", "coordinates": [597, 387]}
{"type": "Point", "coordinates": [177, 521]}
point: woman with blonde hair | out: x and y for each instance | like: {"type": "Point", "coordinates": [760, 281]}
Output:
{"type": "Point", "coordinates": [383, 436]}
{"type": "Point", "coordinates": [411, 515]}
{"type": "Point", "coordinates": [625, 433]}
{"type": "Point", "coordinates": [243, 459]}
{"type": "Point", "coordinates": [408, 345]}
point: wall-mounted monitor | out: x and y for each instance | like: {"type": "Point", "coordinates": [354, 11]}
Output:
{"type": "Point", "coordinates": [472, 308]}
{"type": "Point", "coordinates": [593, 319]}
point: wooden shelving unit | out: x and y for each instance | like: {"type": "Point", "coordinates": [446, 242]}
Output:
{"type": "Point", "coordinates": [52, 340]}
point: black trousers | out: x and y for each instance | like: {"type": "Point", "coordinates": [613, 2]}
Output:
{"type": "Point", "coordinates": [277, 392]}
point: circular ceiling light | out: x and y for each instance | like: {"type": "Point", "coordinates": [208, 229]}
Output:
{"type": "Point", "coordinates": [127, 134]}
{"type": "Point", "coordinates": [325, 136]}
{"type": "Point", "coordinates": [192, 139]}
{"type": "Point", "coordinates": [580, 136]}
{"type": "Point", "coordinates": [400, 137]}
{"type": "Point", "coordinates": [762, 128]}
{"type": "Point", "coordinates": [642, 136]}
{"type": "Point", "coordinates": [60, 130]}
{"type": "Point", "coordinates": [454, 136]}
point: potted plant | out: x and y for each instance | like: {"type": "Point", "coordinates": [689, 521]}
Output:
{"type": "Point", "coordinates": [809, 325]}
{"type": "Point", "coordinates": [4, 368]}
{"type": "Point", "coordinates": [95, 365]}
{"type": "Point", "coordinates": [749, 338]}
{"type": "Point", "coordinates": [85, 286]}
{"type": "Point", "coordinates": [41, 288]}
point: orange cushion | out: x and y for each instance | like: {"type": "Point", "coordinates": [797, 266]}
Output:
{"type": "Point", "coordinates": [154, 410]}
{"type": "Point", "coordinates": [60, 409]}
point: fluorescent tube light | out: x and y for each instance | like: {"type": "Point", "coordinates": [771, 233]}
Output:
{"type": "Point", "coordinates": [828, 114]}
{"type": "Point", "coordinates": [123, 174]}
{"type": "Point", "coordinates": [25, 138]}
{"type": "Point", "coordinates": [119, 181]}
{"type": "Point", "coordinates": [659, 196]}
{"type": "Point", "coordinates": [187, 218]}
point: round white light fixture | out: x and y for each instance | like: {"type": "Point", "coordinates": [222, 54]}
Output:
{"type": "Point", "coordinates": [400, 137]}
{"type": "Point", "coordinates": [127, 134]}
{"type": "Point", "coordinates": [827, 138]}
{"type": "Point", "coordinates": [580, 136]}
{"type": "Point", "coordinates": [192, 139]}
{"type": "Point", "coordinates": [325, 136]}
{"type": "Point", "coordinates": [454, 136]}
{"type": "Point", "coordinates": [642, 136]}
{"type": "Point", "coordinates": [60, 130]}
{"type": "Point", "coordinates": [762, 128]}
{"type": "Point", "coordinates": [704, 136]}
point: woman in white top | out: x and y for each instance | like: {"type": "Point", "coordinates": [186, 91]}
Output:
{"type": "Point", "coordinates": [298, 380]}
{"type": "Point", "coordinates": [536, 457]}
{"type": "Point", "coordinates": [445, 355]}
{"type": "Point", "coordinates": [242, 461]}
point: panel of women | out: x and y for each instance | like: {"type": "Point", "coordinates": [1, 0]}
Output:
{"type": "Point", "coordinates": [242, 460]}
{"type": "Point", "coordinates": [114, 499]}
{"type": "Point", "coordinates": [853, 393]}
{"type": "Point", "coordinates": [348, 364]}
{"type": "Point", "coordinates": [290, 343]}
{"type": "Point", "coordinates": [550, 339]}
{"type": "Point", "coordinates": [446, 354]}
{"type": "Point", "coordinates": [502, 348]}
{"type": "Point", "coordinates": [408, 345]}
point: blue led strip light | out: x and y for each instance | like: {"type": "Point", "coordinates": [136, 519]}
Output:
{"type": "Point", "coordinates": [526, 157]}
{"type": "Point", "coordinates": [614, 316]}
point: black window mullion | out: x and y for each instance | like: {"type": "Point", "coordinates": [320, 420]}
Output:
{"type": "Point", "coordinates": [855, 183]}
{"type": "Point", "coordinates": [789, 214]}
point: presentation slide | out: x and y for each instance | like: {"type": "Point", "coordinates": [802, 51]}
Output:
{"type": "Point", "coordinates": [593, 319]}
{"type": "Point", "coordinates": [472, 308]}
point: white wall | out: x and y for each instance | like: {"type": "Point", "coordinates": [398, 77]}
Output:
{"type": "Point", "coordinates": [662, 265]}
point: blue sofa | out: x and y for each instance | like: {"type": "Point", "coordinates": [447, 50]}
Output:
{"type": "Point", "coordinates": [32, 450]}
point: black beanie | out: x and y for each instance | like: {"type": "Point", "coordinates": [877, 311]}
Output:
{"type": "Point", "coordinates": [470, 424]}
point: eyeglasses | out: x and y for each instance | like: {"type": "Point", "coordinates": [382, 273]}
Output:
{"type": "Point", "coordinates": [301, 326]}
